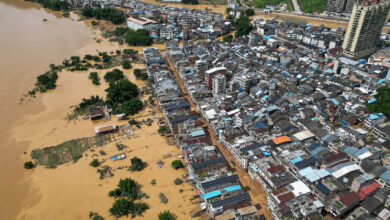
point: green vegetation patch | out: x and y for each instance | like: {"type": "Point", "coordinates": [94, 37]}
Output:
{"type": "Point", "coordinates": [310, 6]}
{"type": "Point", "coordinates": [263, 3]}
{"type": "Point", "coordinates": [69, 151]}
{"type": "Point", "coordinates": [382, 103]}
{"type": "Point", "coordinates": [109, 14]}
{"type": "Point", "coordinates": [63, 153]}
{"type": "Point", "coordinates": [55, 5]}
{"type": "Point", "coordinates": [139, 38]}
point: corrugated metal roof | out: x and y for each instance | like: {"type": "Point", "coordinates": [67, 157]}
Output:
{"type": "Point", "coordinates": [231, 200]}
{"type": "Point", "coordinates": [212, 194]}
{"type": "Point", "coordinates": [220, 181]}
{"type": "Point", "coordinates": [232, 188]}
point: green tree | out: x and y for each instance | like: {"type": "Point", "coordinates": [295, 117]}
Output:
{"type": "Point", "coordinates": [94, 77]}
{"type": "Point", "coordinates": [121, 91]}
{"type": "Point", "coordinates": [249, 12]}
{"type": "Point", "coordinates": [121, 207]}
{"type": "Point", "coordinates": [55, 5]}
{"type": "Point", "coordinates": [126, 64]}
{"type": "Point", "coordinates": [166, 215]}
{"type": "Point", "coordinates": [228, 10]}
{"type": "Point", "coordinates": [94, 163]}
{"type": "Point", "coordinates": [109, 14]}
{"type": "Point", "coordinates": [228, 38]}
{"type": "Point", "coordinates": [95, 216]}
{"type": "Point", "coordinates": [29, 165]}
{"type": "Point", "coordinates": [243, 26]}
{"type": "Point", "coordinates": [113, 75]}
{"type": "Point", "coordinates": [382, 103]}
{"type": "Point", "coordinates": [139, 38]}
{"type": "Point", "coordinates": [178, 181]}
{"type": "Point", "coordinates": [139, 74]}
{"type": "Point", "coordinates": [137, 164]}
{"type": "Point", "coordinates": [128, 188]}
{"type": "Point", "coordinates": [163, 130]}
{"type": "Point", "coordinates": [177, 164]}
{"type": "Point", "coordinates": [131, 107]}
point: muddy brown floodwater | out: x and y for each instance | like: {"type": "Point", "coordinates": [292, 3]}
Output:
{"type": "Point", "coordinates": [27, 46]}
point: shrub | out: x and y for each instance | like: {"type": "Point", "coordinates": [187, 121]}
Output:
{"type": "Point", "coordinates": [94, 163]}
{"type": "Point", "coordinates": [165, 215]}
{"type": "Point", "coordinates": [137, 164]}
{"type": "Point", "coordinates": [228, 38]}
{"type": "Point", "coordinates": [163, 198]}
{"type": "Point", "coordinates": [178, 181]}
{"type": "Point", "coordinates": [94, 77]}
{"type": "Point", "coordinates": [249, 12]}
{"type": "Point", "coordinates": [163, 130]}
{"type": "Point", "coordinates": [29, 165]}
{"type": "Point", "coordinates": [126, 64]}
{"type": "Point", "coordinates": [153, 182]}
{"type": "Point", "coordinates": [177, 164]}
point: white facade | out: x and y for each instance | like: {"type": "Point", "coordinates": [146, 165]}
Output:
{"type": "Point", "coordinates": [219, 84]}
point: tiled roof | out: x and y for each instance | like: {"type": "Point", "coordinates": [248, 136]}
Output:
{"type": "Point", "coordinates": [349, 198]}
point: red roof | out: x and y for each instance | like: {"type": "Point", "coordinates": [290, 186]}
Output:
{"type": "Point", "coordinates": [335, 157]}
{"type": "Point", "coordinates": [366, 190]}
{"type": "Point", "coordinates": [280, 191]}
{"type": "Point", "coordinates": [286, 197]}
{"type": "Point", "coordinates": [349, 198]}
{"type": "Point", "coordinates": [274, 169]}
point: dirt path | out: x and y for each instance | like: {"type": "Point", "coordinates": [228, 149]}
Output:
{"type": "Point", "coordinates": [301, 18]}
{"type": "Point", "coordinates": [258, 195]}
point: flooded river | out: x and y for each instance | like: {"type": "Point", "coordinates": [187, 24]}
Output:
{"type": "Point", "coordinates": [27, 46]}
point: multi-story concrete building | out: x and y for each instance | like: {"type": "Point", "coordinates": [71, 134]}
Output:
{"type": "Point", "coordinates": [140, 23]}
{"type": "Point", "coordinates": [219, 84]}
{"type": "Point", "coordinates": [364, 28]}
{"type": "Point", "coordinates": [201, 66]}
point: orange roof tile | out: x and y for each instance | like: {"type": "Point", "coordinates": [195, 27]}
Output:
{"type": "Point", "coordinates": [281, 140]}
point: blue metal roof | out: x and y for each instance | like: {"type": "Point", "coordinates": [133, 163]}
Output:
{"type": "Point", "coordinates": [232, 188]}
{"type": "Point", "coordinates": [259, 124]}
{"type": "Point", "coordinates": [317, 150]}
{"type": "Point", "coordinates": [197, 133]}
{"type": "Point", "coordinates": [296, 160]}
{"type": "Point", "coordinates": [212, 194]}
{"type": "Point", "coordinates": [386, 175]}
{"type": "Point", "coordinates": [313, 146]}
{"type": "Point", "coordinates": [306, 162]}
{"type": "Point", "coordinates": [325, 190]}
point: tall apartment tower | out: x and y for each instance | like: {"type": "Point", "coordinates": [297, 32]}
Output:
{"type": "Point", "coordinates": [364, 28]}
{"type": "Point", "coordinates": [219, 84]}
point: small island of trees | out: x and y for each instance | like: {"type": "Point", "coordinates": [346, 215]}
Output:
{"type": "Point", "coordinates": [177, 164]}
{"type": "Point", "coordinates": [109, 14]}
{"type": "Point", "coordinates": [137, 164]}
{"type": "Point", "coordinates": [55, 5]}
{"type": "Point", "coordinates": [127, 192]}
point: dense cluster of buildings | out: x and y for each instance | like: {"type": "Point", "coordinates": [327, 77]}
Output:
{"type": "Point", "coordinates": [216, 184]}
{"type": "Point", "coordinates": [293, 113]}
{"type": "Point", "coordinates": [168, 22]}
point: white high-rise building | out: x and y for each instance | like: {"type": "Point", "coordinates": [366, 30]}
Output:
{"type": "Point", "coordinates": [219, 84]}
{"type": "Point", "coordinates": [364, 28]}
